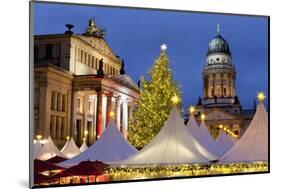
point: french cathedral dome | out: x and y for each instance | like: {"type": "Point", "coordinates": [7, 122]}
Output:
{"type": "Point", "coordinates": [218, 45]}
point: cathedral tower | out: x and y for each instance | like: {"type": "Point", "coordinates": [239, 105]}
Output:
{"type": "Point", "coordinates": [219, 76]}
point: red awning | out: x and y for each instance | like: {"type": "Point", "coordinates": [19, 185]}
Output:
{"type": "Point", "coordinates": [41, 166]}
{"type": "Point", "coordinates": [56, 159]}
{"type": "Point", "coordinates": [85, 168]}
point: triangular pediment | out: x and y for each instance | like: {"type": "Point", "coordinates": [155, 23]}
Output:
{"type": "Point", "coordinates": [219, 115]}
{"type": "Point", "coordinates": [101, 45]}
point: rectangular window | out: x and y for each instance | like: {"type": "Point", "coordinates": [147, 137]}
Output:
{"type": "Point", "coordinates": [89, 60]}
{"type": "Point", "coordinates": [58, 128]}
{"type": "Point", "coordinates": [63, 103]}
{"type": "Point", "coordinates": [63, 129]}
{"type": "Point", "coordinates": [49, 49]}
{"type": "Point", "coordinates": [85, 58]}
{"type": "Point", "coordinates": [58, 101]}
{"type": "Point", "coordinates": [53, 105]}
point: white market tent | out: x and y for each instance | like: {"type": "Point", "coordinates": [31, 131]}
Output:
{"type": "Point", "coordinates": [70, 149]}
{"type": "Point", "coordinates": [36, 148]}
{"type": "Point", "coordinates": [111, 146]}
{"type": "Point", "coordinates": [202, 135]}
{"type": "Point", "coordinates": [83, 147]}
{"type": "Point", "coordinates": [253, 145]}
{"type": "Point", "coordinates": [210, 140]}
{"type": "Point", "coordinates": [172, 145]}
{"type": "Point", "coordinates": [49, 150]}
{"type": "Point", "coordinates": [224, 141]}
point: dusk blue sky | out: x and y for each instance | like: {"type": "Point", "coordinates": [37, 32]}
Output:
{"type": "Point", "coordinates": [136, 35]}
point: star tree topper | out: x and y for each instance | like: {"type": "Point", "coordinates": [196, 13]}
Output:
{"type": "Point", "coordinates": [261, 96]}
{"type": "Point", "coordinates": [163, 47]}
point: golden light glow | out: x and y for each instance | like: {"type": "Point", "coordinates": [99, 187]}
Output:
{"type": "Point", "coordinates": [86, 132]}
{"type": "Point", "coordinates": [67, 138]}
{"type": "Point", "coordinates": [261, 96]}
{"type": "Point", "coordinates": [175, 99]}
{"type": "Point", "coordinates": [191, 109]}
{"type": "Point", "coordinates": [84, 139]}
{"type": "Point", "coordinates": [38, 137]}
{"type": "Point", "coordinates": [203, 117]}
{"type": "Point", "coordinates": [220, 126]}
{"type": "Point", "coordinates": [224, 128]}
{"type": "Point", "coordinates": [111, 114]}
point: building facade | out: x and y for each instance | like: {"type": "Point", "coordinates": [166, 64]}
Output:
{"type": "Point", "coordinates": [79, 85]}
{"type": "Point", "coordinates": [220, 102]}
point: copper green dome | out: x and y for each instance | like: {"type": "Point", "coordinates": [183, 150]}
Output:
{"type": "Point", "coordinates": [218, 45]}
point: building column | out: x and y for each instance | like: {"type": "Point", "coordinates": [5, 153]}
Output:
{"type": "Point", "coordinates": [221, 75]}
{"type": "Point", "coordinates": [44, 112]}
{"type": "Point", "coordinates": [99, 120]}
{"type": "Point", "coordinates": [85, 110]}
{"type": "Point", "coordinates": [130, 110]}
{"type": "Point", "coordinates": [108, 108]}
{"type": "Point", "coordinates": [94, 126]}
{"type": "Point", "coordinates": [73, 116]}
{"type": "Point", "coordinates": [125, 119]}
{"type": "Point", "coordinates": [229, 85]}
{"type": "Point", "coordinates": [118, 113]}
{"type": "Point", "coordinates": [68, 121]}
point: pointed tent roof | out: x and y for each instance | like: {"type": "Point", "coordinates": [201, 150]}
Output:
{"type": "Point", "coordinates": [172, 145]}
{"type": "Point", "coordinates": [70, 149]}
{"type": "Point", "coordinates": [36, 148]}
{"type": "Point", "coordinates": [253, 145]}
{"type": "Point", "coordinates": [211, 143]}
{"type": "Point", "coordinates": [83, 147]}
{"type": "Point", "coordinates": [197, 133]}
{"type": "Point", "coordinates": [224, 141]}
{"type": "Point", "coordinates": [111, 146]}
{"type": "Point", "coordinates": [49, 150]}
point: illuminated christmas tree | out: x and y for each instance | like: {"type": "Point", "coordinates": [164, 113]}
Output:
{"type": "Point", "coordinates": [155, 102]}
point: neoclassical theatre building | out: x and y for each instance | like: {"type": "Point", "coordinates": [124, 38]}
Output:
{"type": "Point", "coordinates": [220, 102]}
{"type": "Point", "coordinates": [79, 85]}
